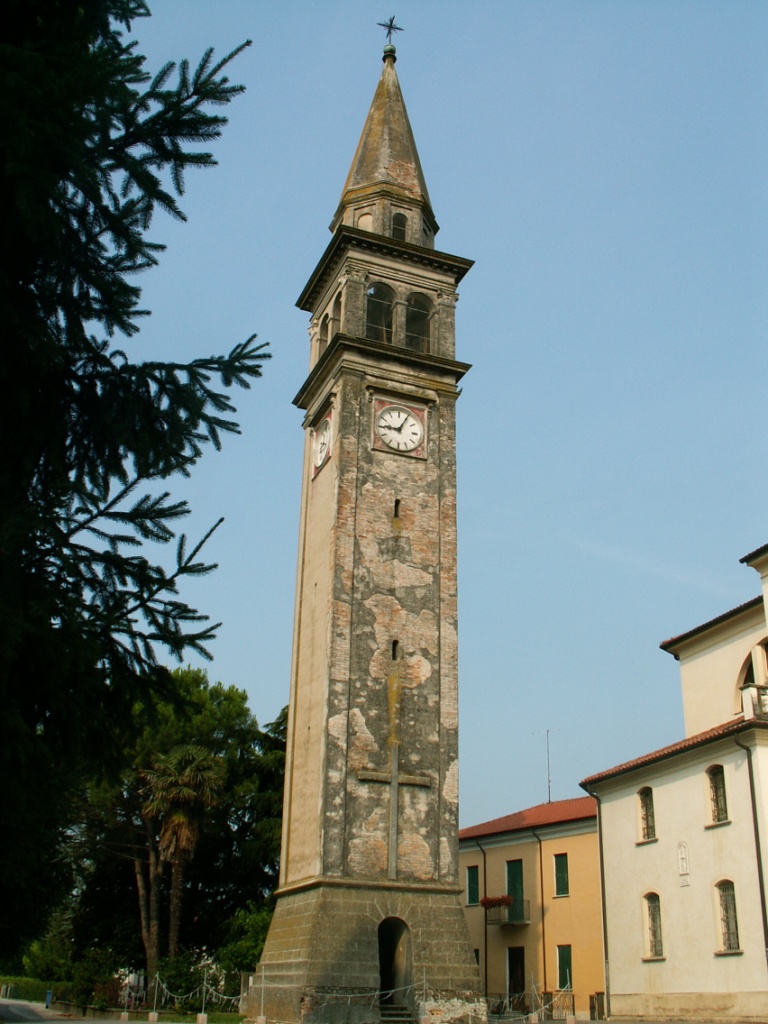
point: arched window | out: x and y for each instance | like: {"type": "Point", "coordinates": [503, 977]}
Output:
{"type": "Point", "coordinates": [728, 921]}
{"type": "Point", "coordinates": [753, 677]}
{"type": "Point", "coordinates": [378, 324]}
{"type": "Point", "coordinates": [336, 315]}
{"type": "Point", "coordinates": [653, 916]}
{"type": "Point", "coordinates": [399, 227]}
{"type": "Point", "coordinates": [647, 815]}
{"type": "Point", "coordinates": [322, 337]}
{"type": "Point", "coordinates": [418, 310]}
{"type": "Point", "coordinates": [717, 793]}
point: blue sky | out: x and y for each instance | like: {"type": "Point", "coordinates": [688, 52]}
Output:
{"type": "Point", "coordinates": [604, 162]}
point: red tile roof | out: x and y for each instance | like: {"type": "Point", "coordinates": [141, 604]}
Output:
{"type": "Point", "coordinates": [553, 813]}
{"type": "Point", "coordinates": [739, 724]}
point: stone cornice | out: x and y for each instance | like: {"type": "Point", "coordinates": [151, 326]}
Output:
{"type": "Point", "coordinates": [429, 371]}
{"type": "Point", "coordinates": [349, 239]}
{"type": "Point", "coordinates": [361, 884]}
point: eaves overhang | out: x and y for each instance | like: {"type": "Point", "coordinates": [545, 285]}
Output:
{"type": "Point", "coordinates": [431, 369]}
{"type": "Point", "coordinates": [756, 559]}
{"type": "Point", "coordinates": [702, 739]}
{"type": "Point", "coordinates": [349, 239]}
{"type": "Point", "coordinates": [673, 645]}
{"type": "Point", "coordinates": [547, 833]}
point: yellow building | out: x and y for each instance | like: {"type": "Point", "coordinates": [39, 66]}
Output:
{"type": "Point", "coordinates": [533, 907]}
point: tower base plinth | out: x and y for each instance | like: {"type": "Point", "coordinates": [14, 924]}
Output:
{"type": "Point", "coordinates": [351, 954]}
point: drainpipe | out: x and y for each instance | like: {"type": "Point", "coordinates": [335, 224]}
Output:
{"type": "Point", "coordinates": [537, 837]}
{"type": "Point", "coordinates": [485, 922]}
{"type": "Point", "coordinates": [606, 963]}
{"type": "Point", "coordinates": [758, 853]}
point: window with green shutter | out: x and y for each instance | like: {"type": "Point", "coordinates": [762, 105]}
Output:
{"type": "Point", "coordinates": [564, 975]}
{"type": "Point", "coordinates": [515, 882]}
{"type": "Point", "coordinates": [561, 874]}
{"type": "Point", "coordinates": [473, 885]}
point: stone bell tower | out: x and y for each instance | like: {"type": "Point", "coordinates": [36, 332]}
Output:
{"type": "Point", "coordinates": [368, 922]}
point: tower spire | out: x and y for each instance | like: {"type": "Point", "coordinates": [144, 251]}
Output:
{"type": "Point", "coordinates": [386, 176]}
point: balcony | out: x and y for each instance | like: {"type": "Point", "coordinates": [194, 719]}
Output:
{"type": "Point", "coordinates": [760, 703]}
{"type": "Point", "coordinates": [507, 910]}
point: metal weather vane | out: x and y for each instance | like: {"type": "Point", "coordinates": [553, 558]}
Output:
{"type": "Point", "coordinates": [390, 26]}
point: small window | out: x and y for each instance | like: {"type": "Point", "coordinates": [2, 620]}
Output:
{"type": "Point", "coordinates": [647, 815]}
{"type": "Point", "coordinates": [418, 311]}
{"type": "Point", "coordinates": [322, 337]}
{"type": "Point", "coordinates": [728, 921]}
{"type": "Point", "coordinates": [653, 914]}
{"type": "Point", "coordinates": [564, 968]}
{"type": "Point", "coordinates": [378, 325]}
{"type": "Point", "coordinates": [399, 227]}
{"type": "Point", "coordinates": [473, 885]}
{"type": "Point", "coordinates": [717, 798]}
{"type": "Point", "coordinates": [561, 874]}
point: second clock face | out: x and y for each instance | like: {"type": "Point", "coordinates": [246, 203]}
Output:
{"type": "Point", "coordinates": [322, 443]}
{"type": "Point", "coordinates": [399, 428]}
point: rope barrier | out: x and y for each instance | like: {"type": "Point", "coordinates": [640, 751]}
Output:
{"type": "Point", "coordinates": [203, 990]}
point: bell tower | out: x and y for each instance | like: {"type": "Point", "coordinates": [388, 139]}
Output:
{"type": "Point", "coordinates": [368, 920]}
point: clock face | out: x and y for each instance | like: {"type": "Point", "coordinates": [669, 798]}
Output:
{"type": "Point", "coordinates": [399, 428]}
{"type": "Point", "coordinates": [322, 443]}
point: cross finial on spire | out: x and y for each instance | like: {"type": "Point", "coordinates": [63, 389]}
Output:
{"type": "Point", "coordinates": [390, 27]}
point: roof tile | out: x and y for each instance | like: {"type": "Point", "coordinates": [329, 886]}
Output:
{"type": "Point", "coordinates": [689, 743]}
{"type": "Point", "coordinates": [553, 813]}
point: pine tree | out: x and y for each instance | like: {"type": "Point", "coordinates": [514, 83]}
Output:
{"type": "Point", "coordinates": [93, 146]}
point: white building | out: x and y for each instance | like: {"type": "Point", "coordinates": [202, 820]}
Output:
{"type": "Point", "coordinates": [684, 837]}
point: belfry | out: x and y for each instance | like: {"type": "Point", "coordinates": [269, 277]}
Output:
{"type": "Point", "coordinates": [368, 924]}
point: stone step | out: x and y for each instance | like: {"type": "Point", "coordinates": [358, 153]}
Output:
{"type": "Point", "coordinates": [396, 1015]}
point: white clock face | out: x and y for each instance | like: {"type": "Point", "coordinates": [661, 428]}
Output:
{"type": "Point", "coordinates": [322, 443]}
{"type": "Point", "coordinates": [399, 428]}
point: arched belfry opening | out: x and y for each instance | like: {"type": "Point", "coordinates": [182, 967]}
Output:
{"type": "Point", "coordinates": [395, 966]}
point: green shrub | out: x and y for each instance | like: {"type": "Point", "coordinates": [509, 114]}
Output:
{"type": "Point", "coordinates": [31, 989]}
{"type": "Point", "coordinates": [92, 976]}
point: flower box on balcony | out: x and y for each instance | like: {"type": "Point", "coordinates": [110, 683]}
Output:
{"type": "Point", "coordinates": [496, 901]}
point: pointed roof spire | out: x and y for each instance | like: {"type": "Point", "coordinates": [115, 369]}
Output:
{"type": "Point", "coordinates": [386, 164]}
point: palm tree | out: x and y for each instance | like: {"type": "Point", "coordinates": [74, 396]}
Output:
{"type": "Point", "coordinates": [180, 787]}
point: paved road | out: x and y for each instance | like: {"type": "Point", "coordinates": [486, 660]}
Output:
{"type": "Point", "coordinates": [18, 1010]}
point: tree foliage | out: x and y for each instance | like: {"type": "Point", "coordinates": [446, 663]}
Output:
{"type": "Point", "coordinates": [180, 787]}
{"type": "Point", "coordinates": [200, 771]}
{"type": "Point", "coordinates": [94, 145]}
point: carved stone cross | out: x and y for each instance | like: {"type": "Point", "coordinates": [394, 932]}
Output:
{"type": "Point", "coordinates": [394, 780]}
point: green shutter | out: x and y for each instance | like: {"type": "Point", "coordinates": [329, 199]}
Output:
{"type": "Point", "coordinates": [564, 975]}
{"type": "Point", "coordinates": [561, 874]}
{"type": "Point", "coordinates": [515, 882]}
{"type": "Point", "coordinates": [473, 885]}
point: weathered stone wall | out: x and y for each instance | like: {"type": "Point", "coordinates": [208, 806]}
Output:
{"type": "Point", "coordinates": [394, 581]}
